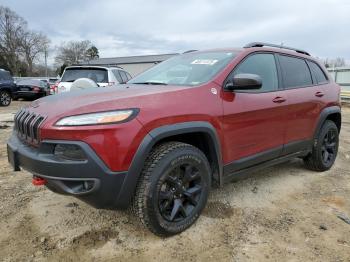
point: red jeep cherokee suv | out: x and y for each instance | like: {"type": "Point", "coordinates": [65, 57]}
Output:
{"type": "Point", "coordinates": [159, 142]}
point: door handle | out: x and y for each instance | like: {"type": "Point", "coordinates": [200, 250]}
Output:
{"type": "Point", "coordinates": [319, 94]}
{"type": "Point", "coordinates": [278, 99]}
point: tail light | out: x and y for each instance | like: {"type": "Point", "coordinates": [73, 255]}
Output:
{"type": "Point", "coordinates": [53, 88]}
{"type": "Point", "coordinates": [36, 89]}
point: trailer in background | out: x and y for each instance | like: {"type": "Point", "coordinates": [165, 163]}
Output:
{"type": "Point", "coordinates": [341, 75]}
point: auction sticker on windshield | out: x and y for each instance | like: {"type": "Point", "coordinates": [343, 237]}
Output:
{"type": "Point", "coordinates": [204, 62]}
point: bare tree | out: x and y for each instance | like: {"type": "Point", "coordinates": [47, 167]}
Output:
{"type": "Point", "coordinates": [73, 52]}
{"type": "Point", "coordinates": [33, 44]}
{"type": "Point", "coordinates": [12, 28]}
{"type": "Point", "coordinates": [337, 62]}
{"type": "Point", "coordinates": [19, 46]}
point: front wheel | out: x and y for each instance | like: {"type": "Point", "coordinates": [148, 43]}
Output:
{"type": "Point", "coordinates": [325, 151]}
{"type": "Point", "coordinates": [5, 98]}
{"type": "Point", "coordinates": [173, 188]}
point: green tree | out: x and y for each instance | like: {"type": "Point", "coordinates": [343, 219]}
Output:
{"type": "Point", "coordinates": [92, 53]}
{"type": "Point", "coordinates": [60, 69]}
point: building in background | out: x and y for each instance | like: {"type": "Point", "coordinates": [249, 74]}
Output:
{"type": "Point", "coordinates": [132, 64]}
{"type": "Point", "coordinates": [341, 76]}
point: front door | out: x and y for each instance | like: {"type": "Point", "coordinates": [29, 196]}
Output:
{"type": "Point", "coordinates": [254, 120]}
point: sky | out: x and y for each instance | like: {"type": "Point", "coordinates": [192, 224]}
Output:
{"type": "Point", "coordinates": [135, 27]}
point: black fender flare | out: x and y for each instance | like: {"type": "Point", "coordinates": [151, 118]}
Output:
{"type": "Point", "coordinates": [322, 118]}
{"type": "Point", "coordinates": [145, 147]}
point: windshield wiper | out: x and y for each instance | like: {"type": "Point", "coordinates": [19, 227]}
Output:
{"type": "Point", "coordinates": [150, 83]}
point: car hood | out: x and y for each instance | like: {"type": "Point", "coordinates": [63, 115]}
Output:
{"type": "Point", "coordinates": [100, 99]}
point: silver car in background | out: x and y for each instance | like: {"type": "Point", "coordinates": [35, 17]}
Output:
{"type": "Point", "coordinates": [102, 76]}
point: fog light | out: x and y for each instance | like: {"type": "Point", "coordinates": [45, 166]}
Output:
{"type": "Point", "coordinates": [70, 152]}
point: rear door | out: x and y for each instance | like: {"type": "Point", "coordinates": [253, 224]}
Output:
{"type": "Point", "coordinates": [254, 121]}
{"type": "Point", "coordinates": [304, 103]}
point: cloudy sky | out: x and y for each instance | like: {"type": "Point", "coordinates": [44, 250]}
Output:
{"type": "Point", "coordinates": [135, 27]}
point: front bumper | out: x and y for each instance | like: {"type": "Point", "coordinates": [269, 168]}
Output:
{"type": "Point", "coordinates": [89, 180]}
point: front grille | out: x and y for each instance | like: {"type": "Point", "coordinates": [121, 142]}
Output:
{"type": "Point", "coordinates": [27, 125]}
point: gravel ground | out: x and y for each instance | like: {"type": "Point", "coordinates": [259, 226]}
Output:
{"type": "Point", "coordinates": [283, 213]}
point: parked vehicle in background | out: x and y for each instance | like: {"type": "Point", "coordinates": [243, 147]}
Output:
{"type": "Point", "coordinates": [47, 83]}
{"type": "Point", "coordinates": [53, 81]}
{"type": "Point", "coordinates": [103, 76]}
{"type": "Point", "coordinates": [199, 119]}
{"type": "Point", "coordinates": [32, 89]}
{"type": "Point", "coordinates": [8, 88]}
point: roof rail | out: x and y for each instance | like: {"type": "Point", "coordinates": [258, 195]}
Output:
{"type": "Point", "coordinates": [190, 51]}
{"type": "Point", "coordinates": [261, 44]}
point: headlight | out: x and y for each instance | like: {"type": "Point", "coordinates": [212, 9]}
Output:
{"type": "Point", "coordinates": [101, 118]}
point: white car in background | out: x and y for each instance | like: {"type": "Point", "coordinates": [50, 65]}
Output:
{"type": "Point", "coordinates": [102, 76]}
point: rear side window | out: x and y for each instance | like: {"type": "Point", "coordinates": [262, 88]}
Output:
{"type": "Point", "coordinates": [128, 75]}
{"type": "Point", "coordinates": [295, 72]}
{"type": "Point", "coordinates": [117, 75]}
{"type": "Point", "coordinates": [317, 73]}
{"type": "Point", "coordinates": [124, 77]}
{"type": "Point", "coordinates": [262, 65]}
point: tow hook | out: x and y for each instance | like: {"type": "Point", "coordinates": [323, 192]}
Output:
{"type": "Point", "coordinates": [38, 181]}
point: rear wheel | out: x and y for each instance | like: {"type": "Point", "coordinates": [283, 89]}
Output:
{"type": "Point", "coordinates": [173, 188]}
{"type": "Point", "coordinates": [5, 98]}
{"type": "Point", "coordinates": [325, 151]}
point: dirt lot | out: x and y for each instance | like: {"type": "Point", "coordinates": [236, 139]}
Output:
{"type": "Point", "coordinates": [281, 213]}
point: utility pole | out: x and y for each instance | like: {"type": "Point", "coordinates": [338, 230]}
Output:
{"type": "Point", "coordinates": [45, 62]}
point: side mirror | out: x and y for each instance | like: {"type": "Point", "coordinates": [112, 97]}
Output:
{"type": "Point", "coordinates": [243, 82]}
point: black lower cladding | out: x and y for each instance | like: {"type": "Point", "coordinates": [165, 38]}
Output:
{"type": "Point", "coordinates": [89, 180]}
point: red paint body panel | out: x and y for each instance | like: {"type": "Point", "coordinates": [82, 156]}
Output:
{"type": "Point", "coordinates": [246, 123]}
{"type": "Point", "coordinates": [252, 124]}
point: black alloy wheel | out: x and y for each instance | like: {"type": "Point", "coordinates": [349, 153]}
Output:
{"type": "Point", "coordinates": [173, 188]}
{"type": "Point", "coordinates": [329, 149]}
{"type": "Point", "coordinates": [5, 98]}
{"type": "Point", "coordinates": [179, 194]}
{"type": "Point", "coordinates": [325, 148]}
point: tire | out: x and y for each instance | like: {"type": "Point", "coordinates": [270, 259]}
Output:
{"type": "Point", "coordinates": [325, 151]}
{"type": "Point", "coordinates": [5, 98]}
{"type": "Point", "coordinates": [173, 188]}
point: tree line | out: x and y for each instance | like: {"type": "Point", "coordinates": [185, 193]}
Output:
{"type": "Point", "coordinates": [24, 51]}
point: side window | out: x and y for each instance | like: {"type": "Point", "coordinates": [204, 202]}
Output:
{"type": "Point", "coordinates": [263, 65]}
{"type": "Point", "coordinates": [295, 72]}
{"type": "Point", "coordinates": [318, 73]}
{"type": "Point", "coordinates": [116, 74]}
{"type": "Point", "coordinates": [128, 75]}
{"type": "Point", "coordinates": [123, 75]}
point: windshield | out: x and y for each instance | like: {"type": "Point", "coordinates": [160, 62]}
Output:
{"type": "Point", "coordinates": [187, 69]}
{"type": "Point", "coordinates": [95, 74]}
